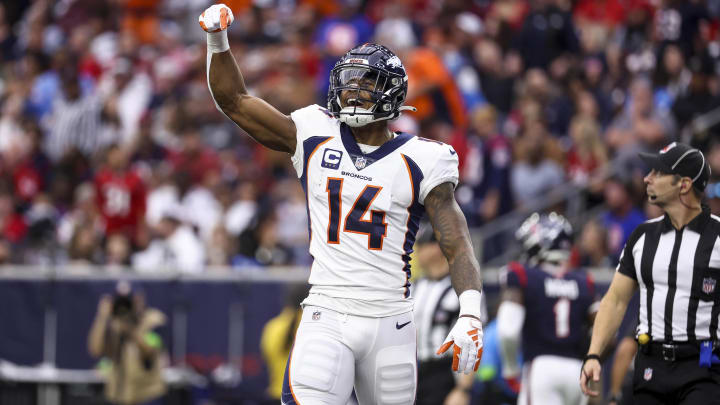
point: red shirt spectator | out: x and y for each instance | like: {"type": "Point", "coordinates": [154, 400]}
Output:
{"type": "Point", "coordinates": [194, 159]}
{"type": "Point", "coordinates": [121, 194]}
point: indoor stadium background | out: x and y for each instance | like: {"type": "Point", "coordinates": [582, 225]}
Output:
{"type": "Point", "coordinates": [547, 102]}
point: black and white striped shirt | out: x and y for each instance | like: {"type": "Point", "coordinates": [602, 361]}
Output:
{"type": "Point", "coordinates": [436, 307]}
{"type": "Point", "coordinates": [678, 273]}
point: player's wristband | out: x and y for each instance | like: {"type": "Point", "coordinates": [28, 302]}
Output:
{"type": "Point", "coordinates": [217, 41]}
{"type": "Point", "coordinates": [590, 357]}
{"type": "Point", "coordinates": [470, 303]}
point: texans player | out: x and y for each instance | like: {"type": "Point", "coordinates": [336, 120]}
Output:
{"type": "Point", "coordinates": [367, 188]}
{"type": "Point", "coordinates": [546, 311]}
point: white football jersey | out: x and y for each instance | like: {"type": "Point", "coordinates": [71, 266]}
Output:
{"type": "Point", "coordinates": [364, 211]}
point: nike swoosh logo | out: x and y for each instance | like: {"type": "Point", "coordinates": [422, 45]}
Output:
{"type": "Point", "coordinates": [400, 326]}
{"type": "Point", "coordinates": [452, 152]}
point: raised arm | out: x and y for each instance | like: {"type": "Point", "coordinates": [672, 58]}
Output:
{"type": "Point", "coordinates": [453, 236]}
{"type": "Point", "coordinates": [260, 120]}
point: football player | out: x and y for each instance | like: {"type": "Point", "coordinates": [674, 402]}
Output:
{"type": "Point", "coordinates": [367, 188]}
{"type": "Point", "coordinates": [546, 310]}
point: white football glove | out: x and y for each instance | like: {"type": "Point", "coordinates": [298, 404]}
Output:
{"type": "Point", "coordinates": [216, 18]}
{"type": "Point", "coordinates": [466, 338]}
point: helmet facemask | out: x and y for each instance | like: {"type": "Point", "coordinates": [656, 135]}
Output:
{"type": "Point", "coordinates": [360, 94]}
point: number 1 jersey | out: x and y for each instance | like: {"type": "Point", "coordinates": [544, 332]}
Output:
{"type": "Point", "coordinates": [364, 210]}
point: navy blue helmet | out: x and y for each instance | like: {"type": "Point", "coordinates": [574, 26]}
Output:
{"type": "Point", "coordinates": [378, 77]}
{"type": "Point", "coordinates": [545, 238]}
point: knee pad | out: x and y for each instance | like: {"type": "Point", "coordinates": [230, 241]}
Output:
{"type": "Point", "coordinates": [395, 379]}
{"type": "Point", "coordinates": [316, 364]}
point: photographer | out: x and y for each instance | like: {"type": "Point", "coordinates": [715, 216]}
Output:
{"type": "Point", "coordinates": [122, 332]}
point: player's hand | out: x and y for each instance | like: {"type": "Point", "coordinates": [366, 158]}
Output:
{"type": "Point", "coordinates": [216, 18]}
{"type": "Point", "coordinates": [466, 340]}
{"type": "Point", "coordinates": [457, 397]}
{"type": "Point", "coordinates": [104, 309]}
{"type": "Point", "coordinates": [590, 377]}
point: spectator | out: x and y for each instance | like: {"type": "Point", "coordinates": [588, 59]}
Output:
{"type": "Point", "coordinates": [83, 210]}
{"type": "Point", "coordinates": [240, 214]}
{"type": "Point", "coordinates": [120, 193]}
{"type": "Point", "coordinates": [12, 224]}
{"type": "Point", "coordinates": [621, 216]}
{"type": "Point", "coordinates": [431, 87]}
{"type": "Point", "coordinates": [117, 250]}
{"type": "Point", "coordinates": [639, 126]}
{"type": "Point", "coordinates": [259, 244]}
{"type": "Point", "coordinates": [698, 100]}
{"type": "Point", "coordinates": [177, 248]}
{"type": "Point", "coordinates": [130, 91]}
{"type": "Point", "coordinates": [497, 84]}
{"type": "Point", "coordinates": [592, 249]}
{"type": "Point", "coordinates": [12, 138]}
{"type": "Point", "coordinates": [31, 172]}
{"type": "Point", "coordinates": [672, 78]}
{"type": "Point", "coordinates": [548, 32]}
{"type": "Point", "coordinates": [337, 33]}
{"type": "Point", "coordinates": [220, 247]}
{"type": "Point", "coordinates": [5, 252]}
{"type": "Point", "coordinates": [75, 122]}
{"type": "Point", "coordinates": [487, 168]}
{"type": "Point", "coordinates": [83, 249]}
{"type": "Point", "coordinates": [587, 156]}
{"type": "Point", "coordinates": [293, 233]}
{"type": "Point", "coordinates": [536, 173]}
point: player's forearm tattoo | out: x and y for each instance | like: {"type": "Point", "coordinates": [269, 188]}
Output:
{"type": "Point", "coordinates": [453, 236]}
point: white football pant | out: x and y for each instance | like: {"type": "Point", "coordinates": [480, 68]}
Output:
{"type": "Point", "coordinates": [334, 352]}
{"type": "Point", "coordinates": [551, 380]}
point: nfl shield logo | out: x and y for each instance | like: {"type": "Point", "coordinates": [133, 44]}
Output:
{"type": "Point", "coordinates": [708, 285]}
{"type": "Point", "coordinates": [648, 374]}
{"type": "Point", "coordinates": [360, 162]}
{"type": "Point", "coordinates": [316, 315]}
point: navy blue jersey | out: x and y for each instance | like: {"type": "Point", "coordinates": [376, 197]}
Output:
{"type": "Point", "coordinates": [556, 311]}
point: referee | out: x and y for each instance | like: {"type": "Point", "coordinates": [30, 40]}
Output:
{"type": "Point", "coordinates": [436, 308]}
{"type": "Point", "coordinates": [675, 260]}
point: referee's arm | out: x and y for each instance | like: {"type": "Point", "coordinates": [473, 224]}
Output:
{"type": "Point", "coordinates": [607, 321]}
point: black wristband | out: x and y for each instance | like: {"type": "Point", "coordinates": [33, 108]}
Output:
{"type": "Point", "coordinates": [590, 357]}
{"type": "Point", "coordinates": [615, 398]}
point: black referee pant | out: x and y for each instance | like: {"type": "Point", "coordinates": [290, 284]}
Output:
{"type": "Point", "coordinates": [673, 376]}
{"type": "Point", "coordinates": [435, 381]}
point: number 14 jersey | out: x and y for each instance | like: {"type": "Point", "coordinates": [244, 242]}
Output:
{"type": "Point", "coordinates": [364, 210]}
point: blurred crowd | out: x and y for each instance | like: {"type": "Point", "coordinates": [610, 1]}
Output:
{"type": "Point", "coordinates": [112, 151]}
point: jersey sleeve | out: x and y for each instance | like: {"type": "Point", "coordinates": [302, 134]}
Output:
{"type": "Point", "coordinates": [515, 276]}
{"type": "Point", "coordinates": [309, 121]}
{"type": "Point", "coordinates": [444, 170]}
{"type": "Point", "coordinates": [626, 265]}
